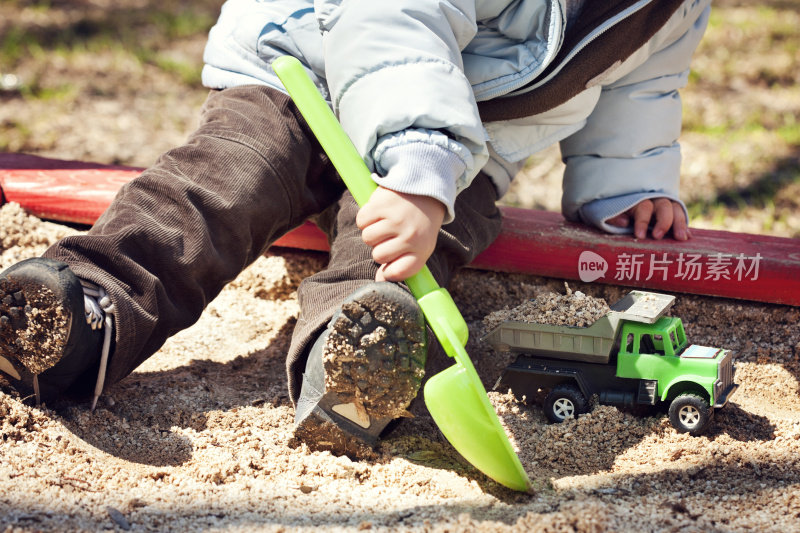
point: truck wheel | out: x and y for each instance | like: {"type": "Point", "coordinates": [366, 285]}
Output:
{"type": "Point", "coordinates": [564, 401]}
{"type": "Point", "coordinates": [689, 413]}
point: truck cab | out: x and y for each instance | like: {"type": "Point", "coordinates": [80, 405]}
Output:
{"type": "Point", "coordinates": [665, 337]}
{"type": "Point", "coordinates": [660, 352]}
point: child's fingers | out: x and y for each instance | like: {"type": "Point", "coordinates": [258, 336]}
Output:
{"type": "Point", "coordinates": [664, 214]}
{"type": "Point", "coordinates": [369, 214]}
{"type": "Point", "coordinates": [668, 214]}
{"type": "Point", "coordinates": [380, 275]}
{"type": "Point", "coordinates": [623, 220]}
{"type": "Point", "coordinates": [376, 208]}
{"type": "Point", "coordinates": [642, 214]}
{"type": "Point", "coordinates": [389, 250]}
{"type": "Point", "coordinates": [377, 232]}
{"type": "Point", "coordinates": [400, 269]}
{"type": "Point", "coordinates": [680, 226]}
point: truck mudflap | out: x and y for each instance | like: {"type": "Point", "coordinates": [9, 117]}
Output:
{"type": "Point", "coordinates": [723, 398]}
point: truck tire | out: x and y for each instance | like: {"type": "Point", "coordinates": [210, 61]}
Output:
{"type": "Point", "coordinates": [689, 413]}
{"type": "Point", "coordinates": [564, 401]}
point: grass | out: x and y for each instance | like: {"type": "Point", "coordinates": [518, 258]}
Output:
{"type": "Point", "coordinates": [129, 69]}
{"type": "Point", "coordinates": [742, 107]}
{"type": "Point", "coordinates": [142, 31]}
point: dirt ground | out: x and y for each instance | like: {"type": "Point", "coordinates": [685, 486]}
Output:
{"type": "Point", "coordinates": [200, 436]}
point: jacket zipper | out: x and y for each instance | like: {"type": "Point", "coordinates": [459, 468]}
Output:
{"type": "Point", "coordinates": [557, 20]}
{"type": "Point", "coordinates": [613, 21]}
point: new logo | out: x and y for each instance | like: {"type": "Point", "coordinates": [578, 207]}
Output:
{"type": "Point", "coordinates": [591, 266]}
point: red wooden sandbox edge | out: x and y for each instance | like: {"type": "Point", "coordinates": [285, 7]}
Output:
{"type": "Point", "coordinates": [715, 263]}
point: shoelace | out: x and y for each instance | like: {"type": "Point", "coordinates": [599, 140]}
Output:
{"type": "Point", "coordinates": [99, 314]}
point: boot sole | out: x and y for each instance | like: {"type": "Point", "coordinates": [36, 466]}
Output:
{"type": "Point", "coordinates": [40, 301]}
{"type": "Point", "coordinates": [33, 329]}
{"type": "Point", "coordinates": [373, 354]}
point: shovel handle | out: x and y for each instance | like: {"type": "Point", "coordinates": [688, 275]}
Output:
{"type": "Point", "coordinates": [339, 147]}
{"type": "Point", "coordinates": [435, 302]}
{"type": "Point", "coordinates": [326, 128]}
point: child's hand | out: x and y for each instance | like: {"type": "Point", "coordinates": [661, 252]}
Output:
{"type": "Point", "coordinates": [402, 231]}
{"type": "Point", "coordinates": [668, 214]}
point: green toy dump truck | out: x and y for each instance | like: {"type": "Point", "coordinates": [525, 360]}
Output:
{"type": "Point", "coordinates": [634, 355]}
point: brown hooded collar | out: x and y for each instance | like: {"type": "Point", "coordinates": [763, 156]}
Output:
{"type": "Point", "coordinates": [610, 47]}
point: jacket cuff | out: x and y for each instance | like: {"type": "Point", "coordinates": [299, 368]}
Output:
{"type": "Point", "coordinates": [597, 212]}
{"type": "Point", "coordinates": [422, 169]}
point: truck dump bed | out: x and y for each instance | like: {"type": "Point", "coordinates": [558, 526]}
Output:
{"type": "Point", "coordinates": [591, 344]}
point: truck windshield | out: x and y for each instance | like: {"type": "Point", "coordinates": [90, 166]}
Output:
{"type": "Point", "coordinates": [663, 343]}
{"type": "Point", "coordinates": [666, 337]}
{"type": "Point", "coordinates": [653, 343]}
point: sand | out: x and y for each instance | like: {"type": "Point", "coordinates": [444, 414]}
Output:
{"type": "Point", "coordinates": [568, 309]}
{"type": "Point", "coordinates": [199, 437]}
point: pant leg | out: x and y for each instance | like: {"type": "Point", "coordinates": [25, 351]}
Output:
{"type": "Point", "coordinates": [174, 236]}
{"type": "Point", "coordinates": [477, 223]}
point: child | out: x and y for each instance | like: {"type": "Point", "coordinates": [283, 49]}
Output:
{"type": "Point", "coordinates": [445, 101]}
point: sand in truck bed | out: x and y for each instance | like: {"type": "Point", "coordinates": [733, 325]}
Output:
{"type": "Point", "coordinates": [199, 437]}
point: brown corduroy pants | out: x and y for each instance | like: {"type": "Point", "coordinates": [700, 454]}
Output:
{"type": "Point", "coordinates": [174, 236]}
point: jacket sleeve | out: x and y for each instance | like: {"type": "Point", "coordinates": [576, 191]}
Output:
{"type": "Point", "coordinates": [397, 84]}
{"type": "Point", "coordinates": [628, 150]}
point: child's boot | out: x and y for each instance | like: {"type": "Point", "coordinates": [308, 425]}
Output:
{"type": "Point", "coordinates": [363, 371]}
{"type": "Point", "coordinates": [46, 343]}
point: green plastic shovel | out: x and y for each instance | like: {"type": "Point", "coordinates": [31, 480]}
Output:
{"type": "Point", "coordinates": [455, 397]}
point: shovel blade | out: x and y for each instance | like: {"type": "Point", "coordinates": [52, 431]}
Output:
{"type": "Point", "coordinates": [467, 419]}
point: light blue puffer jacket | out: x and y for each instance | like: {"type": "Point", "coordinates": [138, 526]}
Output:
{"type": "Point", "coordinates": [405, 78]}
